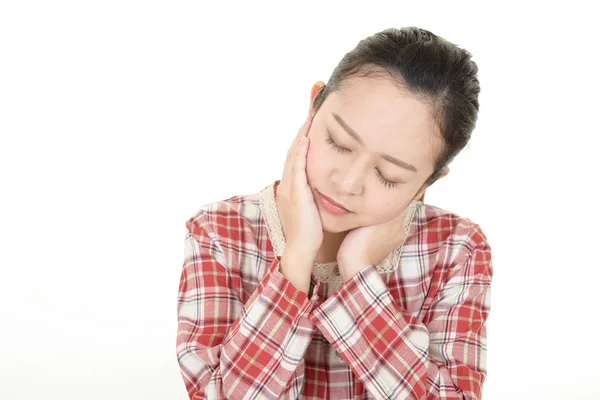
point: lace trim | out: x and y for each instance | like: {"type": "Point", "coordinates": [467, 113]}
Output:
{"type": "Point", "coordinates": [324, 272]}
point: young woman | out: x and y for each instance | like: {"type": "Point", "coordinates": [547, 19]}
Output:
{"type": "Point", "coordinates": [337, 281]}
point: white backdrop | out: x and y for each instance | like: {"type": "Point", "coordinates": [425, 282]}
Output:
{"type": "Point", "coordinates": [119, 119]}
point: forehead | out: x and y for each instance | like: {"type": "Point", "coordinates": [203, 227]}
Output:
{"type": "Point", "coordinates": [389, 118]}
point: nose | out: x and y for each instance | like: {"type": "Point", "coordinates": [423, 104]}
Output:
{"type": "Point", "coordinates": [351, 180]}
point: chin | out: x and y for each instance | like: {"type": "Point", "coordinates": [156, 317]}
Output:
{"type": "Point", "coordinates": [334, 230]}
{"type": "Point", "coordinates": [332, 224]}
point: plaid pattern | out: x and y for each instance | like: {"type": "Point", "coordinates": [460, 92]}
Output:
{"type": "Point", "coordinates": [245, 332]}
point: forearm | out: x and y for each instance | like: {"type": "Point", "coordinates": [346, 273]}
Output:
{"type": "Point", "coordinates": [263, 349]}
{"type": "Point", "coordinates": [392, 352]}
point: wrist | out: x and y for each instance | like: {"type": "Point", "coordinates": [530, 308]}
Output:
{"type": "Point", "coordinates": [296, 268]}
{"type": "Point", "coordinates": [301, 253]}
{"type": "Point", "coordinates": [348, 271]}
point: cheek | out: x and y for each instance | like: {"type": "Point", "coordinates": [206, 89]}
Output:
{"type": "Point", "coordinates": [382, 207]}
{"type": "Point", "coordinates": [317, 161]}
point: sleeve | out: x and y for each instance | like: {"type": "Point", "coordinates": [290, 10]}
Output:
{"type": "Point", "coordinates": [396, 355]}
{"type": "Point", "coordinates": [227, 349]}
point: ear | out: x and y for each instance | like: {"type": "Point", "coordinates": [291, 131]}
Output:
{"type": "Point", "coordinates": [314, 91]}
{"type": "Point", "coordinates": [444, 173]}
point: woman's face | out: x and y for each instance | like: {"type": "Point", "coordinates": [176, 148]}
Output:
{"type": "Point", "coordinates": [356, 173]}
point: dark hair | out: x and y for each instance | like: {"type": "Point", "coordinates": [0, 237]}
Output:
{"type": "Point", "coordinates": [428, 66]}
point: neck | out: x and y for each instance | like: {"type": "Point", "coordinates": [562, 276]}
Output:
{"type": "Point", "coordinates": [330, 246]}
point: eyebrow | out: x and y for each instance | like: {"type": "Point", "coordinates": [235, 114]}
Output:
{"type": "Point", "coordinates": [356, 137]}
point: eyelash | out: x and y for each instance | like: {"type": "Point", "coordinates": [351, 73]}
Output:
{"type": "Point", "coordinates": [388, 184]}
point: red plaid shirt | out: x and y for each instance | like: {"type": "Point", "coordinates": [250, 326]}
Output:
{"type": "Point", "coordinates": [416, 331]}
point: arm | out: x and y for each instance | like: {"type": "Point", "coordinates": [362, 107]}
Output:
{"type": "Point", "coordinates": [396, 355]}
{"type": "Point", "coordinates": [227, 349]}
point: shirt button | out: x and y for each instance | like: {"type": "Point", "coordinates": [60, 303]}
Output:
{"type": "Point", "coordinates": [336, 270]}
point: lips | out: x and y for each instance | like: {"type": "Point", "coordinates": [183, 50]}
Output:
{"type": "Point", "coordinates": [335, 203]}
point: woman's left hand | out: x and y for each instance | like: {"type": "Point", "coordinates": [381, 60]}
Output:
{"type": "Point", "coordinates": [369, 245]}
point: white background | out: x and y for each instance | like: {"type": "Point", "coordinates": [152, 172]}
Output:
{"type": "Point", "coordinates": [119, 119]}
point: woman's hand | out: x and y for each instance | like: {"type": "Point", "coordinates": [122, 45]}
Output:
{"type": "Point", "coordinates": [298, 213]}
{"type": "Point", "coordinates": [369, 245]}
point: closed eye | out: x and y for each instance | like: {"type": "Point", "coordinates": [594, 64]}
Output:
{"type": "Point", "coordinates": [335, 146]}
{"type": "Point", "coordinates": [387, 183]}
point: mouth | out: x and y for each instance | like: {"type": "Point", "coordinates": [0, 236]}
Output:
{"type": "Point", "coordinates": [332, 205]}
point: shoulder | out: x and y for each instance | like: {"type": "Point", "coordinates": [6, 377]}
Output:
{"type": "Point", "coordinates": [448, 246]}
{"type": "Point", "coordinates": [226, 239]}
{"type": "Point", "coordinates": [226, 218]}
{"type": "Point", "coordinates": [235, 225]}
{"type": "Point", "coordinates": [459, 236]}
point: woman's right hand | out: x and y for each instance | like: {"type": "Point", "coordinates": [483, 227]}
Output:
{"type": "Point", "coordinates": [298, 212]}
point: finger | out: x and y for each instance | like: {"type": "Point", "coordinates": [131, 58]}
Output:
{"type": "Point", "coordinates": [291, 157]}
{"type": "Point", "coordinates": [303, 131]}
{"type": "Point", "coordinates": [299, 170]}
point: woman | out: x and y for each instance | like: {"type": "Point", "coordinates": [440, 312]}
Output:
{"type": "Point", "coordinates": [337, 281]}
